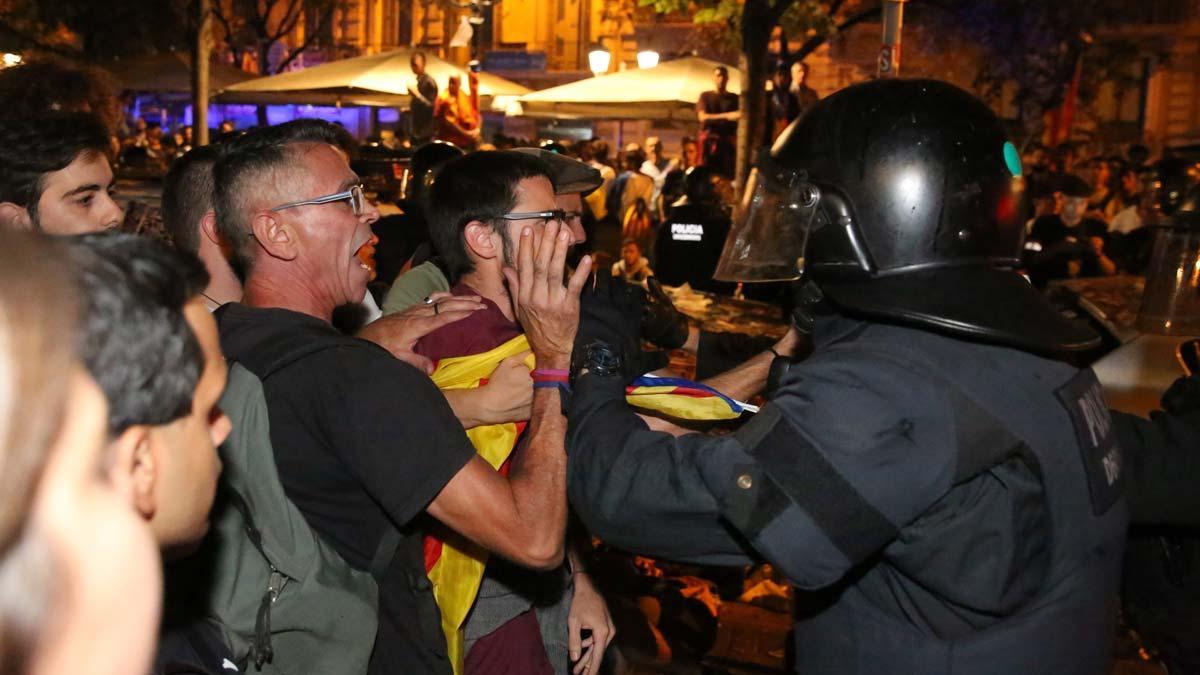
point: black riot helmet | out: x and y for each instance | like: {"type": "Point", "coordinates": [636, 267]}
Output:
{"type": "Point", "coordinates": [424, 163]}
{"type": "Point", "coordinates": [899, 199]}
{"type": "Point", "coordinates": [674, 186]}
{"type": "Point", "coordinates": [699, 187]}
{"type": "Point", "coordinates": [1174, 179]}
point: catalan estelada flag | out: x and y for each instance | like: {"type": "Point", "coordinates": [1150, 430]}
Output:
{"type": "Point", "coordinates": [454, 565]}
{"type": "Point", "coordinates": [684, 399]}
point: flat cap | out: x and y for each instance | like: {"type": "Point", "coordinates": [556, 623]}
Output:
{"type": "Point", "coordinates": [569, 175]}
{"type": "Point", "coordinates": [1073, 186]}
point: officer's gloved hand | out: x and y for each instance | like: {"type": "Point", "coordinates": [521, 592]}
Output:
{"type": "Point", "coordinates": [662, 324]}
{"type": "Point", "coordinates": [1183, 397]}
{"type": "Point", "coordinates": [610, 312]}
{"type": "Point", "coordinates": [804, 297]}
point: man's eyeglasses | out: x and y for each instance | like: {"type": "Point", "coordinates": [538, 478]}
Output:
{"type": "Point", "coordinates": [358, 202]}
{"type": "Point", "coordinates": [557, 215]}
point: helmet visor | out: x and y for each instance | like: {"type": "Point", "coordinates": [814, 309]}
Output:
{"type": "Point", "coordinates": [770, 229]}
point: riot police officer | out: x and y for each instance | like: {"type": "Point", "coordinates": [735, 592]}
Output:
{"type": "Point", "coordinates": [946, 496]}
{"type": "Point", "coordinates": [688, 244]}
{"type": "Point", "coordinates": [1162, 563]}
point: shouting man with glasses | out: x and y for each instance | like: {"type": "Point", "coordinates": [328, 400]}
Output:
{"type": "Point", "coordinates": [364, 443]}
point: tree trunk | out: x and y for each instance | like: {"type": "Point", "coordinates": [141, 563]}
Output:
{"type": "Point", "coordinates": [264, 69]}
{"type": "Point", "coordinates": [201, 52]}
{"type": "Point", "coordinates": [756, 36]}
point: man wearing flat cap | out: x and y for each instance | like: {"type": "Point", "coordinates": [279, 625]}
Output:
{"type": "Point", "coordinates": [1070, 242]}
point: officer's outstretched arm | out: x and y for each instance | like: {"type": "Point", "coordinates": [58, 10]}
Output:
{"type": "Point", "coordinates": [853, 447]}
{"type": "Point", "coordinates": [1161, 458]}
{"type": "Point", "coordinates": [642, 490]}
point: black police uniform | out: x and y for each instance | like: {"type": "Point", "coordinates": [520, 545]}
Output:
{"type": "Point", "coordinates": [859, 478]}
{"type": "Point", "coordinates": [688, 245]}
{"type": "Point", "coordinates": [951, 500]}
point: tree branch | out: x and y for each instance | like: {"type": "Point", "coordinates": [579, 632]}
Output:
{"type": "Point", "coordinates": [813, 43]}
{"type": "Point", "coordinates": [776, 11]}
{"type": "Point", "coordinates": [287, 23]}
{"type": "Point", "coordinates": [220, 16]}
{"type": "Point", "coordinates": [310, 36]}
{"type": "Point", "coordinates": [292, 14]}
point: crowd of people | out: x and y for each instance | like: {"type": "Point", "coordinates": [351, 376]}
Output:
{"type": "Point", "coordinates": [162, 349]}
{"type": "Point", "coordinates": [209, 468]}
{"type": "Point", "coordinates": [1087, 217]}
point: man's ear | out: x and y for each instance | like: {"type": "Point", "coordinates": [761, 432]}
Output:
{"type": "Point", "coordinates": [208, 227]}
{"type": "Point", "coordinates": [13, 217]}
{"type": "Point", "coordinates": [133, 469]}
{"type": "Point", "coordinates": [478, 239]}
{"type": "Point", "coordinates": [277, 238]}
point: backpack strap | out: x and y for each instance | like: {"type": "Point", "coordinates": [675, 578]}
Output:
{"type": "Point", "coordinates": [384, 553]}
{"type": "Point", "coordinates": [261, 650]}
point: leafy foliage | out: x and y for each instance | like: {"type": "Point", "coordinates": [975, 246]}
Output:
{"type": "Point", "coordinates": [93, 29]}
{"type": "Point", "coordinates": [1033, 47]}
{"type": "Point", "coordinates": [261, 26]}
{"type": "Point", "coordinates": [807, 18]}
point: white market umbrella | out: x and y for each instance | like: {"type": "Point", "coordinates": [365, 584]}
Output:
{"type": "Point", "coordinates": [668, 91]}
{"type": "Point", "coordinates": [377, 79]}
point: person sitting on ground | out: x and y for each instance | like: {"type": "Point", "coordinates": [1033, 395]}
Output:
{"type": "Point", "coordinates": [80, 580]}
{"type": "Point", "coordinates": [151, 344]}
{"type": "Point", "coordinates": [633, 266]}
{"type": "Point", "coordinates": [364, 442]}
{"type": "Point", "coordinates": [55, 175]}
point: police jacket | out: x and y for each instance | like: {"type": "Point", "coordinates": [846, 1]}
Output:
{"type": "Point", "coordinates": [952, 507]}
{"type": "Point", "coordinates": [688, 245]}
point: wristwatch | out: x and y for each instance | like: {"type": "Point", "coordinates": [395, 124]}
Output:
{"type": "Point", "coordinates": [597, 357]}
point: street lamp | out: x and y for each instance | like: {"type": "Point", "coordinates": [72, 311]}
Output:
{"type": "Point", "coordinates": [647, 58]}
{"type": "Point", "coordinates": [10, 60]}
{"type": "Point", "coordinates": [599, 59]}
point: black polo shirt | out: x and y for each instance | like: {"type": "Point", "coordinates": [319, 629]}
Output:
{"type": "Point", "coordinates": [361, 438]}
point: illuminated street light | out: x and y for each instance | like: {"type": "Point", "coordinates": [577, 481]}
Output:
{"type": "Point", "coordinates": [10, 60]}
{"type": "Point", "coordinates": [647, 59]}
{"type": "Point", "coordinates": [599, 59]}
